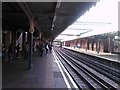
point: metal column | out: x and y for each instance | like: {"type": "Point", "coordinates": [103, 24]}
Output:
{"type": "Point", "coordinates": [30, 51]}
{"type": "Point", "coordinates": [30, 44]}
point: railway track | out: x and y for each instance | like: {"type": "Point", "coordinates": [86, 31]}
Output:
{"type": "Point", "coordinates": [87, 74]}
{"type": "Point", "coordinates": [105, 70]}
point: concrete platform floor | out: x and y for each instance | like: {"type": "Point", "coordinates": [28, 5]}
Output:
{"type": "Point", "coordinates": [44, 73]}
{"type": "Point", "coordinates": [108, 56]}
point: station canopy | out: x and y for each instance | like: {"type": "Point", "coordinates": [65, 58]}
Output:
{"type": "Point", "coordinates": [101, 18]}
{"type": "Point", "coordinates": [50, 18]}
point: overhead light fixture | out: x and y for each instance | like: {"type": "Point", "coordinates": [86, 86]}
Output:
{"type": "Point", "coordinates": [58, 3]}
{"type": "Point", "coordinates": [54, 18]}
{"type": "Point", "coordinates": [52, 25]}
{"type": "Point", "coordinates": [52, 29]}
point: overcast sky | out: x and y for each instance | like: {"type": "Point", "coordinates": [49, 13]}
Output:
{"type": "Point", "coordinates": [102, 18]}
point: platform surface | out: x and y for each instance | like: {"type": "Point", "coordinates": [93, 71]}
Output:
{"type": "Point", "coordinates": [108, 56]}
{"type": "Point", "coordinates": [44, 73]}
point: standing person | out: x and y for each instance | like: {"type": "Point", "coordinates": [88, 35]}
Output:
{"type": "Point", "coordinates": [25, 50]}
{"type": "Point", "coordinates": [3, 51]}
{"type": "Point", "coordinates": [10, 53]}
{"type": "Point", "coordinates": [37, 49]}
{"type": "Point", "coordinates": [46, 48]}
{"type": "Point", "coordinates": [50, 48]}
{"type": "Point", "coordinates": [40, 47]}
{"type": "Point", "coordinates": [18, 50]}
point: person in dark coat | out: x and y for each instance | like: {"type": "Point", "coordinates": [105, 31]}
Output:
{"type": "Point", "coordinates": [18, 50]}
{"type": "Point", "coordinates": [40, 47]}
{"type": "Point", "coordinates": [25, 50]}
{"type": "Point", "coordinates": [46, 48]}
{"type": "Point", "coordinates": [50, 48]}
{"type": "Point", "coordinates": [10, 53]}
{"type": "Point", "coordinates": [3, 50]}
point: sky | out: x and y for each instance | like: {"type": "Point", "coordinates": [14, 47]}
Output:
{"type": "Point", "coordinates": [102, 18]}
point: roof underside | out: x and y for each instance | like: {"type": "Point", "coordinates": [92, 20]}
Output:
{"type": "Point", "coordinates": [49, 19]}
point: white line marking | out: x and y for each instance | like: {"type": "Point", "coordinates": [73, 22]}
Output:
{"type": "Point", "coordinates": [64, 77]}
{"type": "Point", "coordinates": [72, 81]}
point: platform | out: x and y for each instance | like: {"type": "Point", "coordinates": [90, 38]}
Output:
{"type": "Point", "coordinates": [44, 74]}
{"type": "Point", "coordinates": [108, 56]}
